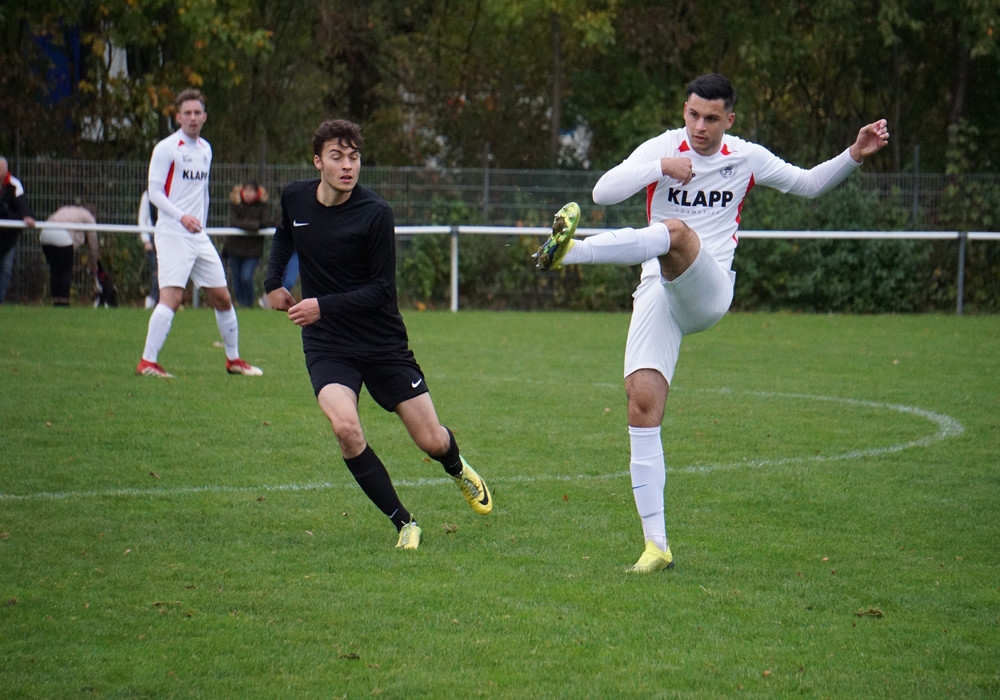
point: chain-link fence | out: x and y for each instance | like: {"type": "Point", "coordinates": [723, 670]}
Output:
{"type": "Point", "coordinates": [466, 197]}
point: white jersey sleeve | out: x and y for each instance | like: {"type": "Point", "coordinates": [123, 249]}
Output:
{"type": "Point", "coordinates": [145, 218]}
{"type": "Point", "coordinates": [811, 183]}
{"type": "Point", "coordinates": [631, 176]}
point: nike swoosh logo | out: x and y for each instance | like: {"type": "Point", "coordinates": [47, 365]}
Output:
{"type": "Point", "coordinates": [300, 223]}
{"type": "Point", "coordinates": [485, 500]}
{"type": "Point", "coordinates": [417, 383]}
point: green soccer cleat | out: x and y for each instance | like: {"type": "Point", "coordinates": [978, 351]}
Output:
{"type": "Point", "coordinates": [653, 559]}
{"type": "Point", "coordinates": [474, 489]}
{"type": "Point", "coordinates": [409, 536]}
{"type": "Point", "coordinates": [551, 253]}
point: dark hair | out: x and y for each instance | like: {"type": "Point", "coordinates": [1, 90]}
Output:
{"type": "Point", "coordinates": [714, 86]}
{"type": "Point", "coordinates": [189, 94]}
{"type": "Point", "coordinates": [346, 132]}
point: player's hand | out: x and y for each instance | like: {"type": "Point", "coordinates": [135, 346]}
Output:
{"type": "Point", "coordinates": [679, 169]}
{"type": "Point", "coordinates": [871, 139]}
{"type": "Point", "coordinates": [305, 313]}
{"type": "Point", "coordinates": [280, 299]}
{"type": "Point", "coordinates": [191, 223]}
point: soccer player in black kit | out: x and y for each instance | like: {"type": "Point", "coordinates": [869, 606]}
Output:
{"type": "Point", "coordinates": [352, 331]}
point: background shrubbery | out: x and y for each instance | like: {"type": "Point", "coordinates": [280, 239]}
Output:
{"type": "Point", "coordinates": [806, 275]}
{"type": "Point", "coordinates": [495, 270]}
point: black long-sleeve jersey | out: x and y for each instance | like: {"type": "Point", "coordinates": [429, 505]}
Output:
{"type": "Point", "coordinates": [347, 259]}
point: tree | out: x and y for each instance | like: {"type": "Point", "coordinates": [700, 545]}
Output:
{"type": "Point", "coordinates": [103, 111]}
{"type": "Point", "coordinates": [499, 82]}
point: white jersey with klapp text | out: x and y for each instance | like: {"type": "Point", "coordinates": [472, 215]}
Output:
{"type": "Point", "coordinates": [712, 202]}
{"type": "Point", "coordinates": [178, 181]}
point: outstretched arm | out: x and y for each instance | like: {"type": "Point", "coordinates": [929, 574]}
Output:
{"type": "Point", "coordinates": [871, 139]}
{"type": "Point", "coordinates": [828, 174]}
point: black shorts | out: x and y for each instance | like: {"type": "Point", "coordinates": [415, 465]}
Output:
{"type": "Point", "coordinates": [390, 381]}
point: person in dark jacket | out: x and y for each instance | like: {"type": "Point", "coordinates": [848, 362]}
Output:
{"type": "Point", "coordinates": [13, 205]}
{"type": "Point", "coordinates": [248, 211]}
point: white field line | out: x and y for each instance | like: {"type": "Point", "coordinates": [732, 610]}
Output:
{"type": "Point", "coordinates": [947, 427]}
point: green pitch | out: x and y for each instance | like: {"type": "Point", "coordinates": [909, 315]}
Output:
{"type": "Point", "coordinates": [833, 505]}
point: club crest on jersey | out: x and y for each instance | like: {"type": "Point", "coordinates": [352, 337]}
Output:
{"type": "Point", "coordinates": [728, 171]}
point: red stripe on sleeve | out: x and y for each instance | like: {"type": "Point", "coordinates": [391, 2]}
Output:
{"type": "Point", "coordinates": [170, 179]}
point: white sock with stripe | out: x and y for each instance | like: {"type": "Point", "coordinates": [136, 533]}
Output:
{"type": "Point", "coordinates": [649, 478]}
{"type": "Point", "coordinates": [627, 246]}
{"type": "Point", "coordinates": [230, 332]}
{"type": "Point", "coordinates": [159, 328]}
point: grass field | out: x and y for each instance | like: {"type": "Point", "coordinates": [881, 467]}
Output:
{"type": "Point", "coordinates": [833, 504]}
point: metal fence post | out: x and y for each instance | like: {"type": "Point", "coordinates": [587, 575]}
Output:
{"type": "Point", "coordinates": [454, 268]}
{"type": "Point", "coordinates": [962, 237]}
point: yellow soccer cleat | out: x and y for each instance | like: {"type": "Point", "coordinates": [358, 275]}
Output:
{"type": "Point", "coordinates": [550, 254]}
{"type": "Point", "coordinates": [409, 536]}
{"type": "Point", "coordinates": [474, 489]}
{"type": "Point", "coordinates": [653, 559]}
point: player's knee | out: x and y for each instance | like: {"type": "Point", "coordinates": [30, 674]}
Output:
{"type": "Point", "coordinates": [219, 299]}
{"type": "Point", "coordinates": [433, 442]}
{"type": "Point", "coordinates": [646, 391]}
{"type": "Point", "coordinates": [350, 436]}
{"type": "Point", "coordinates": [644, 415]}
{"type": "Point", "coordinates": [682, 236]}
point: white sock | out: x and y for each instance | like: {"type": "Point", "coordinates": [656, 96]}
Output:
{"type": "Point", "coordinates": [156, 335]}
{"type": "Point", "coordinates": [230, 331]}
{"type": "Point", "coordinates": [649, 478]}
{"type": "Point", "coordinates": [626, 246]}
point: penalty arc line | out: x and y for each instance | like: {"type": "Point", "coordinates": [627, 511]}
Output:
{"type": "Point", "coordinates": [948, 427]}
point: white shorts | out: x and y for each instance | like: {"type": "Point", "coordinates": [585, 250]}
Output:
{"type": "Point", "coordinates": [664, 312]}
{"type": "Point", "coordinates": [183, 256]}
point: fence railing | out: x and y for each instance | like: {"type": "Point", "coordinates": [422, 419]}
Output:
{"type": "Point", "coordinates": [30, 245]}
{"type": "Point", "coordinates": [421, 196]}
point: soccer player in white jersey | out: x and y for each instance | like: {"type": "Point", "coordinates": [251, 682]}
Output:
{"type": "Point", "coordinates": [178, 188]}
{"type": "Point", "coordinates": [695, 178]}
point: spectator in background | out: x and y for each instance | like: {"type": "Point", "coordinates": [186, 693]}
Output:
{"type": "Point", "coordinates": [248, 211]}
{"type": "Point", "coordinates": [13, 205]}
{"type": "Point", "coordinates": [59, 246]}
{"type": "Point", "coordinates": [147, 221]}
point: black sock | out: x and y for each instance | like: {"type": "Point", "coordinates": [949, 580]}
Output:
{"type": "Point", "coordinates": [374, 480]}
{"type": "Point", "coordinates": [450, 460]}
